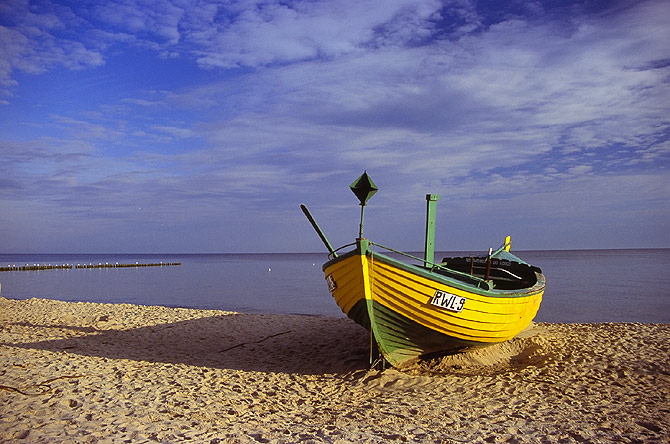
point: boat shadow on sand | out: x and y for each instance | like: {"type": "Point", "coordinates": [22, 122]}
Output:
{"type": "Point", "coordinates": [298, 344]}
{"type": "Point", "coordinates": [252, 342]}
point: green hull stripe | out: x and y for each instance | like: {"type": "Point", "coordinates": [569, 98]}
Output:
{"type": "Point", "coordinates": [401, 339]}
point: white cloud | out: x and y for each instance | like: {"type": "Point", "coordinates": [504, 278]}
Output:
{"type": "Point", "coordinates": [491, 116]}
{"type": "Point", "coordinates": [175, 131]}
{"type": "Point", "coordinates": [34, 43]}
{"type": "Point", "coordinates": [160, 19]}
{"type": "Point", "coordinates": [269, 32]}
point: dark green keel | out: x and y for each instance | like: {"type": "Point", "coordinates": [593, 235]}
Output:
{"type": "Point", "coordinates": [359, 314]}
{"type": "Point", "coordinates": [400, 339]}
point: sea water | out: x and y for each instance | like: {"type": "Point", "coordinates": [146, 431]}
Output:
{"type": "Point", "coordinates": [582, 285]}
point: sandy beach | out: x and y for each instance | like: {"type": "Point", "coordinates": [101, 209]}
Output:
{"type": "Point", "coordinates": [85, 372]}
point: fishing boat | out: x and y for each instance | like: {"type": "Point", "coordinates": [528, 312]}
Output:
{"type": "Point", "coordinates": [415, 307]}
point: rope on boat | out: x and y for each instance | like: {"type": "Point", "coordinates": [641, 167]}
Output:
{"type": "Point", "coordinates": [373, 363]}
{"type": "Point", "coordinates": [377, 361]}
{"type": "Point", "coordinates": [333, 255]}
{"type": "Point", "coordinates": [432, 264]}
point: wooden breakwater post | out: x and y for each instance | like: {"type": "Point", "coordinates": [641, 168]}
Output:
{"type": "Point", "coordinates": [39, 267]}
{"type": "Point", "coordinates": [135, 265]}
{"type": "Point", "coordinates": [35, 267]}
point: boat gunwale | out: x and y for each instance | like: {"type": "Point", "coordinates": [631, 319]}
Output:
{"type": "Point", "coordinates": [442, 279]}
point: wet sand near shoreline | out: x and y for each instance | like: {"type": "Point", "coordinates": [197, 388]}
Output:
{"type": "Point", "coordinates": [86, 372]}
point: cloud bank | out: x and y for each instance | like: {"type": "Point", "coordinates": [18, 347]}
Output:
{"type": "Point", "coordinates": [549, 122]}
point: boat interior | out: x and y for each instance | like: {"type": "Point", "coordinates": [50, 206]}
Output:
{"type": "Point", "coordinates": [504, 274]}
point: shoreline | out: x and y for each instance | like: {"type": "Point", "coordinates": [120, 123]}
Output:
{"type": "Point", "coordinates": [92, 372]}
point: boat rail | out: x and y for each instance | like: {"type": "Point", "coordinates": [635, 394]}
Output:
{"type": "Point", "coordinates": [430, 265]}
{"type": "Point", "coordinates": [333, 254]}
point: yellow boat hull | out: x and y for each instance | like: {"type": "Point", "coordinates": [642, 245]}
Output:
{"type": "Point", "coordinates": [394, 301]}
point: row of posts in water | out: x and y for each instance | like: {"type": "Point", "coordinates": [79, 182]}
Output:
{"type": "Point", "coordinates": [33, 267]}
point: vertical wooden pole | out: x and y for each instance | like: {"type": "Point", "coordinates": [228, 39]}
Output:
{"type": "Point", "coordinates": [429, 255]}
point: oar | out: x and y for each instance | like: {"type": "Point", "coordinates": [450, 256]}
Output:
{"type": "Point", "coordinates": [318, 230]}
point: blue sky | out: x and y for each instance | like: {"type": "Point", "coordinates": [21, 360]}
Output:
{"type": "Point", "coordinates": [196, 126]}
